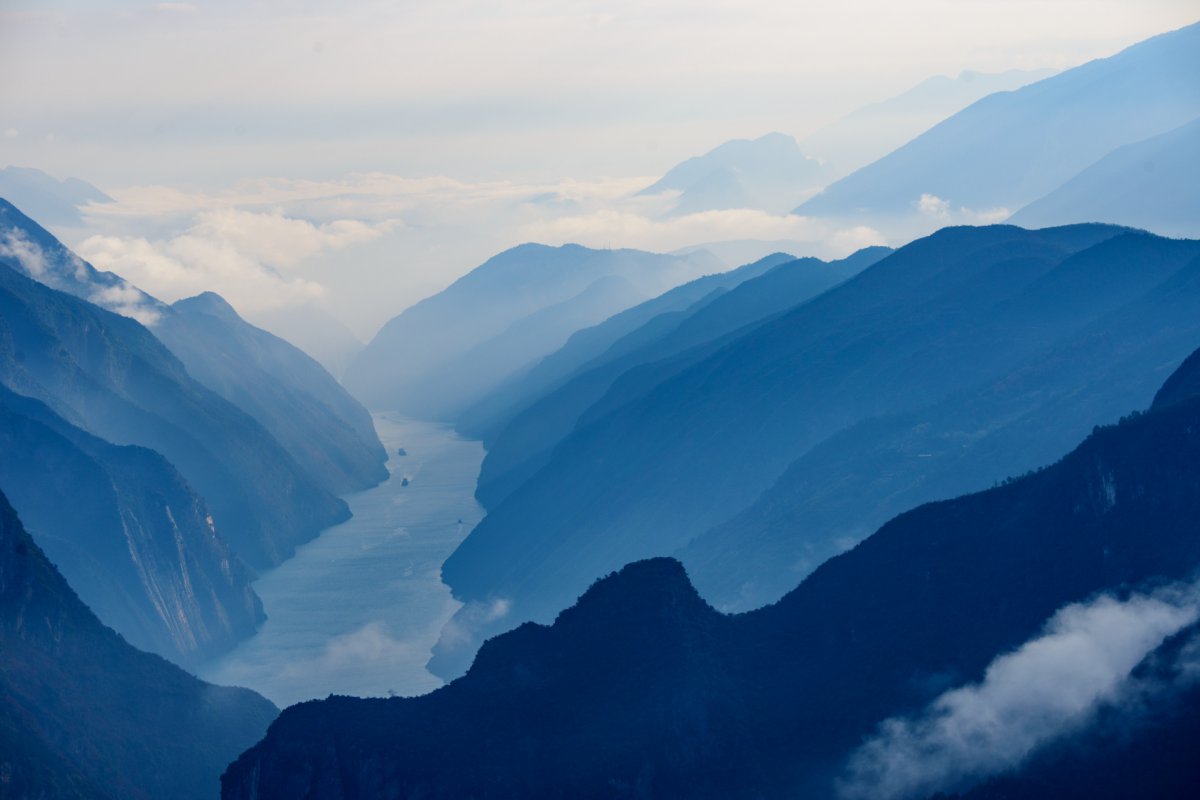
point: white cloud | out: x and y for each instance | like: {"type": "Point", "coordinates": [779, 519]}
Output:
{"type": "Point", "coordinates": [933, 206]}
{"type": "Point", "coordinates": [126, 299]}
{"type": "Point", "coordinates": [27, 254]}
{"type": "Point", "coordinates": [615, 227]}
{"type": "Point", "coordinates": [368, 245]}
{"type": "Point", "coordinates": [70, 274]}
{"type": "Point", "coordinates": [461, 630]}
{"type": "Point", "coordinates": [1050, 686]}
{"type": "Point", "coordinates": [239, 254]}
{"type": "Point", "coordinates": [11, 133]}
{"type": "Point", "coordinates": [276, 240]}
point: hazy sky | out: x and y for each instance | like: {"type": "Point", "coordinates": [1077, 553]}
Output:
{"type": "Point", "coordinates": [393, 129]}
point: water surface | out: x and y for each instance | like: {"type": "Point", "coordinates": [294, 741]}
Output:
{"type": "Point", "coordinates": [358, 609]}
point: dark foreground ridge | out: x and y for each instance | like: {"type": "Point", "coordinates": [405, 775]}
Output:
{"type": "Point", "coordinates": [85, 715]}
{"type": "Point", "coordinates": [642, 690]}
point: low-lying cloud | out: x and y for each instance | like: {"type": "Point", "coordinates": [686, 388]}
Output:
{"type": "Point", "coordinates": [944, 213]}
{"type": "Point", "coordinates": [245, 256]}
{"type": "Point", "coordinates": [70, 274]}
{"type": "Point", "coordinates": [1049, 687]}
{"type": "Point", "coordinates": [365, 246]}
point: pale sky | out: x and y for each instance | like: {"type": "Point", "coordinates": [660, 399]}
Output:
{"type": "Point", "coordinates": [359, 155]}
{"type": "Point", "coordinates": [200, 92]}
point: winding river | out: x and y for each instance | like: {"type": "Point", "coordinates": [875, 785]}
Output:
{"type": "Point", "coordinates": [357, 610]}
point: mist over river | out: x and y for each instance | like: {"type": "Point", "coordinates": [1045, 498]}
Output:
{"type": "Point", "coordinates": [357, 610]}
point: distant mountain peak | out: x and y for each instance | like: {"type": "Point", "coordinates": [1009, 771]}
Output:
{"type": "Point", "coordinates": [47, 198]}
{"type": "Point", "coordinates": [648, 580]}
{"type": "Point", "coordinates": [757, 173]}
{"type": "Point", "coordinates": [206, 303]}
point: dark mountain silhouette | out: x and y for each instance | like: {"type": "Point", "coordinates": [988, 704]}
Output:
{"type": "Point", "coordinates": [768, 173]}
{"type": "Point", "coordinates": [85, 715]}
{"type": "Point", "coordinates": [493, 412]}
{"type": "Point", "coordinates": [128, 532]}
{"type": "Point", "coordinates": [642, 690]}
{"type": "Point", "coordinates": [1153, 184]}
{"type": "Point", "coordinates": [1011, 148]}
{"type": "Point", "coordinates": [639, 360]}
{"type": "Point", "coordinates": [108, 375]}
{"type": "Point", "coordinates": [670, 453]}
{"type": "Point", "coordinates": [433, 361]}
{"type": "Point", "coordinates": [47, 198]}
{"type": "Point", "coordinates": [308, 412]}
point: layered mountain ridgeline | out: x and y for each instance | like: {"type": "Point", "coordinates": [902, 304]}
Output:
{"type": "Point", "coordinates": [308, 412]}
{"type": "Point", "coordinates": [1011, 148]}
{"type": "Point", "coordinates": [768, 173]}
{"type": "Point", "coordinates": [941, 319]}
{"type": "Point", "coordinates": [663, 345]}
{"type": "Point", "coordinates": [875, 130]}
{"type": "Point", "coordinates": [320, 425]}
{"type": "Point", "coordinates": [492, 413]}
{"type": "Point", "coordinates": [442, 355]}
{"type": "Point", "coordinates": [1153, 184]}
{"type": "Point", "coordinates": [85, 715]}
{"type": "Point", "coordinates": [1011, 422]}
{"type": "Point", "coordinates": [128, 532]}
{"type": "Point", "coordinates": [108, 375]}
{"type": "Point", "coordinates": [641, 689]}
{"type": "Point", "coordinates": [47, 198]}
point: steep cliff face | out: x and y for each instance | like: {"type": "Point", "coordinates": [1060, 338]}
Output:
{"type": "Point", "coordinates": [128, 533]}
{"type": "Point", "coordinates": [84, 714]}
{"type": "Point", "coordinates": [108, 375]}
{"type": "Point", "coordinates": [642, 690]}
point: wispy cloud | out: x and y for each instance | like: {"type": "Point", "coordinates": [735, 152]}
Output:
{"type": "Point", "coordinates": [1048, 687]}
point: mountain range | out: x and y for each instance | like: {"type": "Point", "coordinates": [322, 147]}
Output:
{"type": "Point", "coordinates": [1152, 184]}
{"type": "Point", "coordinates": [327, 432]}
{"type": "Point", "coordinates": [445, 353]}
{"type": "Point", "coordinates": [110, 376]}
{"type": "Point", "coordinates": [53, 201]}
{"type": "Point", "coordinates": [873, 131]}
{"type": "Point", "coordinates": [85, 715]}
{"type": "Point", "coordinates": [592, 384]}
{"type": "Point", "coordinates": [1012, 148]}
{"type": "Point", "coordinates": [135, 541]}
{"type": "Point", "coordinates": [957, 360]}
{"type": "Point", "coordinates": [952, 616]}
{"type": "Point", "coordinates": [768, 173]}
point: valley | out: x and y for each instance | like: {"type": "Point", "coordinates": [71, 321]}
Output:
{"type": "Point", "coordinates": [664, 401]}
{"type": "Point", "coordinates": [357, 610]}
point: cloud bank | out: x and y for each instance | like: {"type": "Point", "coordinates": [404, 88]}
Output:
{"type": "Point", "coordinates": [1047, 688]}
{"type": "Point", "coordinates": [245, 256]}
{"type": "Point", "coordinates": [366, 246]}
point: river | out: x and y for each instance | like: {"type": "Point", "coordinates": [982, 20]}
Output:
{"type": "Point", "coordinates": [357, 610]}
